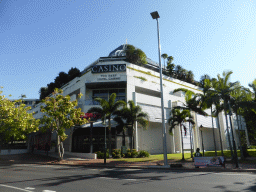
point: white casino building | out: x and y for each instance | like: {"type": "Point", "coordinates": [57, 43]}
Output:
{"type": "Point", "coordinates": [142, 85]}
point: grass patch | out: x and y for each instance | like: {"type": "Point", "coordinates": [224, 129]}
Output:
{"type": "Point", "coordinates": [159, 157]}
{"type": "Point", "coordinates": [187, 156]}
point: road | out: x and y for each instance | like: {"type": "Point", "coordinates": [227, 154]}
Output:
{"type": "Point", "coordinates": [49, 178]}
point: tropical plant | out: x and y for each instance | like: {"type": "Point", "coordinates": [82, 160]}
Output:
{"type": "Point", "coordinates": [134, 55]}
{"type": "Point", "coordinates": [143, 153]}
{"type": "Point", "coordinates": [60, 114]}
{"type": "Point", "coordinates": [178, 71]}
{"type": "Point", "coordinates": [132, 114]}
{"type": "Point", "coordinates": [253, 86]}
{"type": "Point", "coordinates": [59, 81]}
{"type": "Point", "coordinates": [170, 66]}
{"type": "Point", "coordinates": [216, 101]}
{"type": "Point", "coordinates": [192, 103]}
{"type": "Point", "coordinates": [240, 99]}
{"type": "Point", "coordinates": [249, 115]}
{"type": "Point", "coordinates": [164, 56]}
{"type": "Point", "coordinates": [178, 117]}
{"type": "Point", "coordinates": [108, 108]}
{"type": "Point", "coordinates": [222, 89]}
{"type": "Point", "coordinates": [190, 77]}
{"type": "Point", "coordinates": [73, 73]}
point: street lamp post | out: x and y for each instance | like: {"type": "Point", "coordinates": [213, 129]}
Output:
{"type": "Point", "coordinates": [202, 138]}
{"type": "Point", "coordinates": [105, 142]}
{"type": "Point", "coordinates": [155, 15]}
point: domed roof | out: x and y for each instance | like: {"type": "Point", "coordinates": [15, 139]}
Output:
{"type": "Point", "coordinates": [119, 51]}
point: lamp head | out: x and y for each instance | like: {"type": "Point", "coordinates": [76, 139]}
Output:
{"type": "Point", "coordinates": [155, 15]}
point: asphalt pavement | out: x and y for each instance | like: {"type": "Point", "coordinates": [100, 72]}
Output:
{"type": "Point", "coordinates": [65, 178]}
{"type": "Point", "coordinates": [39, 157]}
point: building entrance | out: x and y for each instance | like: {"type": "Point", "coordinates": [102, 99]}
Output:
{"type": "Point", "coordinates": [86, 140]}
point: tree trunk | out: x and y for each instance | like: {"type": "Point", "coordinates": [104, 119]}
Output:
{"type": "Point", "coordinates": [229, 141]}
{"type": "Point", "coordinates": [239, 135]}
{"type": "Point", "coordinates": [182, 148]}
{"type": "Point", "coordinates": [220, 135]}
{"type": "Point", "coordinates": [123, 142]}
{"type": "Point", "coordinates": [191, 150]}
{"type": "Point", "coordinates": [60, 148]}
{"type": "Point", "coordinates": [132, 142]}
{"type": "Point", "coordinates": [109, 137]}
{"type": "Point", "coordinates": [213, 134]}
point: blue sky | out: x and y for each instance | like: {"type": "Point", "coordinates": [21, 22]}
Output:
{"type": "Point", "coordinates": [39, 39]}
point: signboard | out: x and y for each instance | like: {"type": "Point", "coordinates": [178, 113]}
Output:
{"type": "Point", "coordinates": [109, 68]}
{"type": "Point", "coordinates": [111, 77]}
{"type": "Point", "coordinates": [209, 161]}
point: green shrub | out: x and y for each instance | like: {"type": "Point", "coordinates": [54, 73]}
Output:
{"type": "Point", "coordinates": [128, 153]}
{"type": "Point", "coordinates": [100, 155]}
{"type": "Point", "coordinates": [134, 153]}
{"type": "Point", "coordinates": [143, 153]}
{"type": "Point", "coordinates": [116, 153]}
{"type": "Point", "coordinates": [252, 147]}
{"type": "Point", "coordinates": [136, 56]}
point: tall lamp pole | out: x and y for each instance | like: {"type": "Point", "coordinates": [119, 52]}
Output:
{"type": "Point", "coordinates": [105, 142]}
{"type": "Point", "coordinates": [155, 15]}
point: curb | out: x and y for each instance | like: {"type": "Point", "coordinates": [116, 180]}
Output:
{"type": "Point", "coordinates": [213, 169]}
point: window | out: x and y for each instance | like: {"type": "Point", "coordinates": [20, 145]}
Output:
{"type": "Point", "coordinates": [105, 94]}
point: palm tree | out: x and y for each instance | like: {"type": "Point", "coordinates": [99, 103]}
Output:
{"type": "Point", "coordinates": [132, 114]}
{"type": "Point", "coordinates": [179, 117]}
{"type": "Point", "coordinates": [216, 101]}
{"type": "Point", "coordinates": [107, 108]}
{"type": "Point", "coordinates": [253, 86]}
{"type": "Point", "coordinates": [178, 71]}
{"type": "Point", "coordinates": [207, 102]}
{"type": "Point", "coordinates": [238, 96]}
{"type": "Point", "coordinates": [121, 124]}
{"type": "Point", "coordinates": [202, 78]}
{"type": "Point", "coordinates": [192, 103]}
{"type": "Point", "coordinates": [223, 89]}
{"type": "Point", "coordinates": [170, 59]}
{"type": "Point", "coordinates": [184, 74]}
{"type": "Point", "coordinates": [190, 77]}
{"type": "Point", "coordinates": [164, 56]}
{"type": "Point", "coordinates": [170, 66]}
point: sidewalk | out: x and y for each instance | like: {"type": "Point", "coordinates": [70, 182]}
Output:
{"type": "Point", "coordinates": [39, 157]}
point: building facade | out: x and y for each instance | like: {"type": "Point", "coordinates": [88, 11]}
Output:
{"type": "Point", "coordinates": [140, 83]}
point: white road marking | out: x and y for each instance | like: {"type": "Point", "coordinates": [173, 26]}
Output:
{"type": "Point", "coordinates": [31, 188]}
{"type": "Point", "coordinates": [235, 174]}
{"type": "Point", "coordinates": [48, 191]}
{"type": "Point", "coordinates": [117, 178]}
{"type": "Point", "coordinates": [41, 166]}
{"type": "Point", "coordinates": [15, 188]}
{"type": "Point", "coordinates": [130, 179]}
{"type": "Point", "coordinates": [105, 177]}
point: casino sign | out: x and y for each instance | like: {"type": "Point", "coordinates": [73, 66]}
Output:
{"type": "Point", "coordinates": [109, 68]}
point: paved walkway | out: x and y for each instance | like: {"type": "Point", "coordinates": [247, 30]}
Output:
{"type": "Point", "coordinates": [39, 157]}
